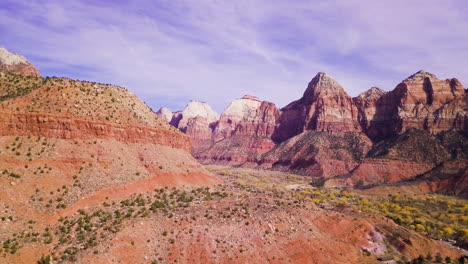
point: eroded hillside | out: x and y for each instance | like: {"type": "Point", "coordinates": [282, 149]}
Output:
{"type": "Point", "coordinates": [66, 145]}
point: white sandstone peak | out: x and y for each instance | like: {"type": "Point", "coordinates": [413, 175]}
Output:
{"type": "Point", "coordinates": [242, 108]}
{"type": "Point", "coordinates": [196, 108]}
{"type": "Point", "coordinates": [9, 58]}
{"type": "Point", "coordinates": [165, 114]}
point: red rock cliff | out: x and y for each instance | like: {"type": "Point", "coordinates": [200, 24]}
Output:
{"type": "Point", "coordinates": [243, 132]}
{"type": "Point", "coordinates": [325, 106]}
{"type": "Point", "coordinates": [66, 127]}
{"type": "Point", "coordinates": [421, 101]}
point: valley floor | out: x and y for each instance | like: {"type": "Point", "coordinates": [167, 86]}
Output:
{"type": "Point", "coordinates": [256, 216]}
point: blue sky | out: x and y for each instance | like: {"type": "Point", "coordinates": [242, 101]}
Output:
{"type": "Point", "coordinates": [168, 52]}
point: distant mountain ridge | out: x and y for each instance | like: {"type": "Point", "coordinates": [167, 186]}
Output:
{"type": "Point", "coordinates": [258, 134]}
{"type": "Point", "coordinates": [85, 171]}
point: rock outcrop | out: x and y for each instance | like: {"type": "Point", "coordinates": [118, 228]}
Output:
{"type": "Point", "coordinates": [325, 106]}
{"type": "Point", "coordinates": [165, 114]}
{"type": "Point", "coordinates": [43, 125]}
{"type": "Point", "coordinates": [421, 101]}
{"type": "Point", "coordinates": [200, 131]}
{"type": "Point", "coordinates": [247, 116]}
{"type": "Point", "coordinates": [243, 132]}
{"type": "Point", "coordinates": [366, 103]}
{"type": "Point", "coordinates": [196, 109]}
{"type": "Point", "coordinates": [408, 156]}
{"type": "Point", "coordinates": [197, 120]}
{"type": "Point", "coordinates": [318, 154]}
{"type": "Point", "coordinates": [360, 141]}
{"type": "Point", "coordinates": [16, 64]}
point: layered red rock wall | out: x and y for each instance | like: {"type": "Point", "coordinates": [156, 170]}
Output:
{"type": "Point", "coordinates": [262, 122]}
{"type": "Point", "coordinates": [243, 132]}
{"type": "Point", "coordinates": [366, 104]}
{"type": "Point", "coordinates": [200, 131]}
{"type": "Point", "coordinates": [379, 171]}
{"type": "Point", "coordinates": [254, 133]}
{"type": "Point", "coordinates": [21, 69]}
{"type": "Point", "coordinates": [325, 106]}
{"type": "Point", "coordinates": [423, 102]}
{"type": "Point", "coordinates": [67, 127]}
{"type": "Point", "coordinates": [197, 120]}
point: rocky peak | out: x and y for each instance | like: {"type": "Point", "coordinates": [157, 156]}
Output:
{"type": "Point", "coordinates": [196, 108]}
{"type": "Point", "coordinates": [165, 114]}
{"type": "Point", "coordinates": [247, 116]}
{"type": "Point", "coordinates": [426, 88]}
{"type": "Point", "coordinates": [420, 76]}
{"type": "Point", "coordinates": [366, 103]}
{"type": "Point", "coordinates": [325, 106]}
{"type": "Point", "coordinates": [241, 108]}
{"type": "Point", "coordinates": [421, 101]}
{"type": "Point", "coordinates": [373, 94]}
{"type": "Point", "coordinates": [323, 85]}
{"type": "Point", "coordinates": [10, 58]}
{"type": "Point", "coordinates": [16, 64]}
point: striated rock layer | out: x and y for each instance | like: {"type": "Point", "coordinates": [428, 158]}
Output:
{"type": "Point", "coordinates": [196, 109]}
{"type": "Point", "coordinates": [247, 117]}
{"type": "Point", "coordinates": [197, 120]}
{"type": "Point", "coordinates": [421, 101]}
{"type": "Point", "coordinates": [325, 106]}
{"type": "Point", "coordinates": [366, 103]}
{"type": "Point", "coordinates": [243, 132]}
{"type": "Point", "coordinates": [43, 125]}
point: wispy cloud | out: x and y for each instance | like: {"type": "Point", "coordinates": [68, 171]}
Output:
{"type": "Point", "coordinates": [170, 51]}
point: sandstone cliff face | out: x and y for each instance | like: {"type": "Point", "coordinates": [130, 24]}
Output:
{"type": "Point", "coordinates": [408, 156]}
{"type": "Point", "coordinates": [16, 64]}
{"type": "Point", "coordinates": [238, 111]}
{"type": "Point", "coordinates": [247, 116]}
{"type": "Point", "coordinates": [401, 124]}
{"type": "Point", "coordinates": [43, 125]}
{"type": "Point", "coordinates": [421, 101]}
{"type": "Point", "coordinates": [236, 150]}
{"type": "Point", "coordinates": [197, 121]}
{"type": "Point", "coordinates": [243, 132]}
{"type": "Point", "coordinates": [325, 106]}
{"type": "Point", "coordinates": [196, 109]}
{"type": "Point", "coordinates": [366, 104]}
{"type": "Point", "coordinates": [200, 131]}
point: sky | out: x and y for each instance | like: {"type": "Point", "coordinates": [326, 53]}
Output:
{"type": "Point", "coordinates": [171, 51]}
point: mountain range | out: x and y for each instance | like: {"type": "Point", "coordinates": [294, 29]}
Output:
{"type": "Point", "coordinates": [414, 133]}
{"type": "Point", "coordinates": [90, 174]}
